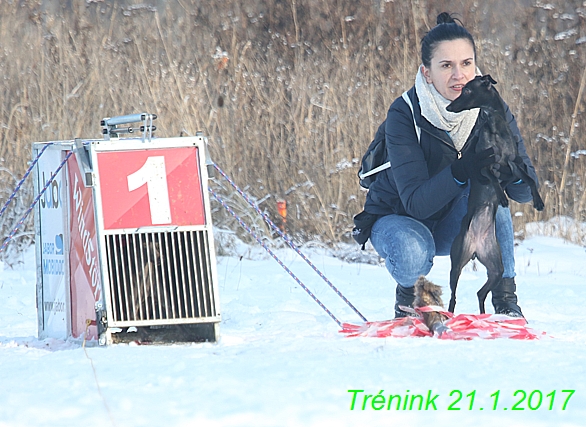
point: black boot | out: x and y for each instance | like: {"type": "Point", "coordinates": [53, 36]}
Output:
{"type": "Point", "coordinates": [406, 297]}
{"type": "Point", "coordinates": [504, 299]}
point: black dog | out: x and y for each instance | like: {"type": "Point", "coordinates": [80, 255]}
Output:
{"type": "Point", "coordinates": [477, 235]}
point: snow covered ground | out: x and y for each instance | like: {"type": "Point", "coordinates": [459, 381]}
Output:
{"type": "Point", "coordinates": [282, 362]}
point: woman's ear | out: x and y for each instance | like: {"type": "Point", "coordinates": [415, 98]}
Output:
{"type": "Point", "coordinates": [425, 72]}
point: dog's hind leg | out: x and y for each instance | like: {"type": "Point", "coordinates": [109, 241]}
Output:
{"type": "Point", "coordinates": [483, 292]}
{"type": "Point", "coordinates": [491, 257]}
{"type": "Point", "coordinates": [461, 252]}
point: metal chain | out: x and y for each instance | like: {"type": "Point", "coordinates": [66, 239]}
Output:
{"type": "Point", "coordinates": [287, 240]}
{"type": "Point", "coordinates": [271, 253]}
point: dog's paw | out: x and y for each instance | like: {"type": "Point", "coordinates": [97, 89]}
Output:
{"type": "Point", "coordinates": [538, 204]}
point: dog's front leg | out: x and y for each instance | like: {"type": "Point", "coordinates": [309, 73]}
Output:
{"type": "Point", "coordinates": [520, 172]}
{"type": "Point", "coordinates": [498, 189]}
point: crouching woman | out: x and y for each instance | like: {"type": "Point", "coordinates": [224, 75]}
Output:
{"type": "Point", "coordinates": [420, 201]}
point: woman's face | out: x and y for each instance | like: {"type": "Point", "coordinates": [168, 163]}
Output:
{"type": "Point", "coordinates": [452, 66]}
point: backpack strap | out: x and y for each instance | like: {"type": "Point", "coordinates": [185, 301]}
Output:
{"type": "Point", "coordinates": [417, 128]}
{"type": "Point", "coordinates": [382, 167]}
{"type": "Point", "coordinates": [387, 165]}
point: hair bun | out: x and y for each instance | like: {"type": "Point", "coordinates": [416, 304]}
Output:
{"type": "Point", "coordinates": [445, 18]}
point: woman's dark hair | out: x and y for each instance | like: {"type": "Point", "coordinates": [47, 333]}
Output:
{"type": "Point", "coordinates": [447, 28]}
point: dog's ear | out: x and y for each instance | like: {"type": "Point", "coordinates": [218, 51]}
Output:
{"type": "Point", "coordinates": [488, 80]}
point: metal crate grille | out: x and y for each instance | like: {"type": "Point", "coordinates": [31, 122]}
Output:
{"type": "Point", "coordinates": [160, 276]}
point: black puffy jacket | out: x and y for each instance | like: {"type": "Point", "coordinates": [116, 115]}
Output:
{"type": "Point", "coordinates": [420, 183]}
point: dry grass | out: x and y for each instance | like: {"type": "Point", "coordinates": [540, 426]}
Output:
{"type": "Point", "coordinates": [289, 92]}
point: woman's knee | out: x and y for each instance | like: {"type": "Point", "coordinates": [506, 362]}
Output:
{"type": "Point", "coordinates": [407, 247]}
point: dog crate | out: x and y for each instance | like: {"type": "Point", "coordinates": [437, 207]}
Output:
{"type": "Point", "coordinates": [124, 243]}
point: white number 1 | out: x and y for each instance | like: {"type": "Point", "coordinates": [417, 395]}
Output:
{"type": "Point", "coordinates": [154, 175]}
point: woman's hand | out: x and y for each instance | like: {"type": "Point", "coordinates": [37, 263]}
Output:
{"type": "Point", "coordinates": [470, 165]}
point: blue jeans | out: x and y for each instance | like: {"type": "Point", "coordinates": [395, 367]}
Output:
{"type": "Point", "coordinates": [408, 246]}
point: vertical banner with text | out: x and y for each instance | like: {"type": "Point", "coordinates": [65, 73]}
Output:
{"type": "Point", "coordinates": [54, 301]}
{"type": "Point", "coordinates": [86, 285]}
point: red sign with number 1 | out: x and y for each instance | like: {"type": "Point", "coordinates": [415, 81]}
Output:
{"type": "Point", "coordinates": [156, 187]}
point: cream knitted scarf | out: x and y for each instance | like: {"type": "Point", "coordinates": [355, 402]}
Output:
{"type": "Point", "coordinates": [433, 108]}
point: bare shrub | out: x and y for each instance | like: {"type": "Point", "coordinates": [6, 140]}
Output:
{"type": "Point", "coordinates": [290, 93]}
